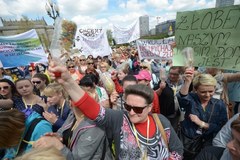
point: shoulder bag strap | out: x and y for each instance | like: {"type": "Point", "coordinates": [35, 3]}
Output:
{"type": "Point", "coordinates": [159, 124]}
{"type": "Point", "coordinates": [212, 111]}
{"type": "Point", "coordinates": [28, 135]}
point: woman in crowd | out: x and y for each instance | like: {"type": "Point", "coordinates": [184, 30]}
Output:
{"type": "Point", "coordinates": [74, 72]}
{"type": "Point", "coordinates": [40, 81]}
{"type": "Point", "coordinates": [154, 79]}
{"type": "Point", "coordinates": [204, 114]}
{"type": "Point", "coordinates": [3, 75]}
{"type": "Point", "coordinates": [58, 109]}
{"type": "Point", "coordinates": [118, 75]}
{"type": "Point", "coordinates": [7, 91]}
{"type": "Point", "coordinates": [89, 83]}
{"type": "Point", "coordinates": [134, 131]}
{"type": "Point", "coordinates": [82, 66]}
{"type": "Point", "coordinates": [27, 98]}
{"type": "Point", "coordinates": [19, 130]}
{"type": "Point", "coordinates": [78, 138]}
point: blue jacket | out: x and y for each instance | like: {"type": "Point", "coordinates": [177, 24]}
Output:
{"type": "Point", "coordinates": [192, 105]}
{"type": "Point", "coordinates": [62, 115]}
{"type": "Point", "coordinates": [40, 129]}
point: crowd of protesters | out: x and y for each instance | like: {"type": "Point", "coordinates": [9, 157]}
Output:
{"type": "Point", "coordinates": [117, 107]}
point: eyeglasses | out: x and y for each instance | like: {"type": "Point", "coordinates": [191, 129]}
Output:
{"type": "Point", "coordinates": [4, 87]}
{"type": "Point", "coordinates": [103, 67]}
{"type": "Point", "coordinates": [90, 63]}
{"type": "Point", "coordinates": [137, 110]}
{"type": "Point", "coordinates": [36, 82]}
{"type": "Point", "coordinates": [71, 67]}
{"type": "Point", "coordinates": [143, 67]}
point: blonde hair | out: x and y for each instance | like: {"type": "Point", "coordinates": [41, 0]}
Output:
{"type": "Point", "coordinates": [48, 153]}
{"type": "Point", "coordinates": [53, 88]}
{"type": "Point", "coordinates": [105, 64]}
{"type": "Point", "coordinates": [204, 79]}
{"type": "Point", "coordinates": [146, 64]}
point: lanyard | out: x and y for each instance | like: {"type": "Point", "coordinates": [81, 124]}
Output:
{"type": "Point", "coordinates": [137, 139]}
{"type": "Point", "coordinates": [25, 105]}
{"type": "Point", "coordinates": [61, 109]}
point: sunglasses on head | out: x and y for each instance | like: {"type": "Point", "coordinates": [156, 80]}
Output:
{"type": "Point", "coordinates": [71, 67]}
{"type": "Point", "coordinates": [36, 82]}
{"type": "Point", "coordinates": [137, 110]}
{"type": "Point", "coordinates": [143, 67]}
{"type": "Point", "coordinates": [4, 87]}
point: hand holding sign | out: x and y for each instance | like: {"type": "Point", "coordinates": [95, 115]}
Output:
{"type": "Point", "coordinates": [63, 38]}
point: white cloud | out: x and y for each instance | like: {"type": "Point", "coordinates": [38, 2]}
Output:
{"type": "Point", "coordinates": [81, 7]}
{"type": "Point", "coordinates": [132, 5]}
{"type": "Point", "coordinates": [158, 4]}
{"type": "Point", "coordinates": [16, 8]}
{"type": "Point", "coordinates": [180, 5]}
{"type": "Point", "coordinates": [89, 22]}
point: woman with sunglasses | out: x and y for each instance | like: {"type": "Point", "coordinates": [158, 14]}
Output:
{"type": "Point", "coordinates": [82, 65]}
{"type": "Point", "coordinates": [27, 99]}
{"type": "Point", "coordinates": [7, 91]}
{"type": "Point", "coordinates": [74, 73]}
{"type": "Point", "coordinates": [40, 81]}
{"type": "Point", "coordinates": [134, 131]}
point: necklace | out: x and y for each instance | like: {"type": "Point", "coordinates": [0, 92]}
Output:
{"type": "Point", "coordinates": [137, 139]}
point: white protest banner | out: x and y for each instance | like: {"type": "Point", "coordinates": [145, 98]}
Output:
{"type": "Point", "coordinates": [89, 32]}
{"type": "Point", "coordinates": [96, 46]}
{"type": "Point", "coordinates": [21, 50]}
{"type": "Point", "coordinates": [128, 34]}
{"type": "Point", "coordinates": [155, 49]}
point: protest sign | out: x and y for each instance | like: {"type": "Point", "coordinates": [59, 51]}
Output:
{"type": "Point", "coordinates": [155, 49]}
{"type": "Point", "coordinates": [93, 45]}
{"type": "Point", "coordinates": [214, 34]}
{"type": "Point", "coordinates": [89, 32]}
{"type": "Point", "coordinates": [21, 50]}
{"type": "Point", "coordinates": [127, 34]}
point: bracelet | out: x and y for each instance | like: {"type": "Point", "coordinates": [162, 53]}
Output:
{"type": "Point", "coordinates": [203, 125]}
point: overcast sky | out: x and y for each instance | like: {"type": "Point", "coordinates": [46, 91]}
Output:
{"type": "Point", "coordinates": [103, 13]}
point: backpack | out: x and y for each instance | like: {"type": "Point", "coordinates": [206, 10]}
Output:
{"type": "Point", "coordinates": [28, 135]}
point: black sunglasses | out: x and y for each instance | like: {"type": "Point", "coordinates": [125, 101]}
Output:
{"type": "Point", "coordinates": [90, 63]}
{"type": "Point", "coordinates": [71, 67]}
{"type": "Point", "coordinates": [4, 87]}
{"type": "Point", "coordinates": [143, 67]}
{"type": "Point", "coordinates": [36, 82]}
{"type": "Point", "coordinates": [137, 110]}
{"type": "Point", "coordinates": [81, 59]}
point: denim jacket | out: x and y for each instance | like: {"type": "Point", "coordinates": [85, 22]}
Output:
{"type": "Point", "coordinates": [215, 115]}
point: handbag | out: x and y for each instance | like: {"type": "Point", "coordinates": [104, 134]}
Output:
{"type": "Point", "coordinates": [192, 146]}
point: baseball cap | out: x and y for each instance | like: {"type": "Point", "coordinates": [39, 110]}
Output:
{"type": "Point", "coordinates": [144, 75]}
